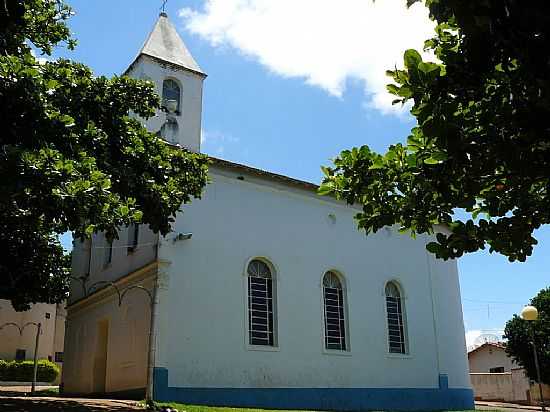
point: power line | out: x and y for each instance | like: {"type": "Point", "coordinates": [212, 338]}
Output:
{"type": "Point", "coordinates": [495, 302]}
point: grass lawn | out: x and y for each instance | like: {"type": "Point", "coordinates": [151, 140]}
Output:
{"type": "Point", "coordinates": [199, 408]}
{"type": "Point", "coordinates": [196, 408]}
{"type": "Point", "coordinates": [48, 392]}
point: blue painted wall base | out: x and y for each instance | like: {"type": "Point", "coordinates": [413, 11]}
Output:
{"type": "Point", "coordinates": [341, 399]}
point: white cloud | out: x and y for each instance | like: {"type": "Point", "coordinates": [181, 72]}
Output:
{"type": "Point", "coordinates": [475, 337]}
{"type": "Point", "coordinates": [326, 42]}
{"type": "Point", "coordinates": [471, 337]}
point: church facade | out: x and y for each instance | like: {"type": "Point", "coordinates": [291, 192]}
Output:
{"type": "Point", "coordinates": [264, 295]}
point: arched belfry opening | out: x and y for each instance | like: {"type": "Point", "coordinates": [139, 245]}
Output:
{"type": "Point", "coordinates": [171, 96]}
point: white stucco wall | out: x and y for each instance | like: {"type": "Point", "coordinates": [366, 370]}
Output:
{"type": "Point", "coordinates": [449, 323]}
{"type": "Point", "coordinates": [493, 386]}
{"type": "Point", "coordinates": [189, 121]}
{"type": "Point", "coordinates": [511, 386]}
{"type": "Point", "coordinates": [520, 384]}
{"type": "Point", "coordinates": [202, 310]}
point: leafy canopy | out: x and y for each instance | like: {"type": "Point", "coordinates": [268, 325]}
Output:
{"type": "Point", "coordinates": [71, 156]}
{"type": "Point", "coordinates": [519, 338]}
{"type": "Point", "coordinates": [482, 139]}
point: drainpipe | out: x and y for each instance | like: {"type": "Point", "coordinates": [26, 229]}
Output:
{"type": "Point", "coordinates": [152, 340]}
{"type": "Point", "coordinates": [434, 323]}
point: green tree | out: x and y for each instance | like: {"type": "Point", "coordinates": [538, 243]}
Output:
{"type": "Point", "coordinates": [482, 139]}
{"type": "Point", "coordinates": [519, 339]}
{"type": "Point", "coordinates": [71, 156]}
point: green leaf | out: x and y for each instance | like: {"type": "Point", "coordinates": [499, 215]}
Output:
{"type": "Point", "coordinates": [378, 164]}
{"type": "Point", "coordinates": [393, 89]}
{"type": "Point", "coordinates": [326, 171]}
{"type": "Point", "coordinates": [431, 161]}
{"type": "Point", "coordinates": [52, 84]}
{"type": "Point", "coordinates": [325, 190]}
{"type": "Point", "coordinates": [405, 92]}
{"type": "Point", "coordinates": [412, 58]}
{"type": "Point", "coordinates": [137, 216]}
{"type": "Point", "coordinates": [426, 67]}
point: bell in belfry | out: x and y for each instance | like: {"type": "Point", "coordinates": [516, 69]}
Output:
{"type": "Point", "coordinates": [169, 130]}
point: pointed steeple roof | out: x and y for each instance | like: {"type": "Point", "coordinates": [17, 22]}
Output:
{"type": "Point", "coordinates": [164, 43]}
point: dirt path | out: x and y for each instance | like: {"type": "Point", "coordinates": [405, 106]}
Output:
{"type": "Point", "coordinates": [46, 404]}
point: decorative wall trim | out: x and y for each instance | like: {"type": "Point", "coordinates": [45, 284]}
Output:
{"type": "Point", "coordinates": [145, 273]}
{"type": "Point", "coordinates": [341, 399]}
{"type": "Point", "coordinates": [164, 64]}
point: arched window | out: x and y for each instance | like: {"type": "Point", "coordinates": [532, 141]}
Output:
{"type": "Point", "coordinates": [171, 92]}
{"type": "Point", "coordinates": [260, 304]}
{"type": "Point", "coordinates": [335, 322]}
{"type": "Point", "coordinates": [396, 325]}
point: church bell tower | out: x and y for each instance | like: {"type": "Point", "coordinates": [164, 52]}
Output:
{"type": "Point", "coordinates": [165, 60]}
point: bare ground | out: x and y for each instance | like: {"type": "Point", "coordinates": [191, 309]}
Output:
{"type": "Point", "coordinates": [54, 404]}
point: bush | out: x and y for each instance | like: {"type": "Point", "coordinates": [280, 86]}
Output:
{"type": "Point", "coordinates": [22, 371]}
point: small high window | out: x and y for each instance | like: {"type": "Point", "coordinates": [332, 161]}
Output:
{"type": "Point", "coordinates": [396, 325]}
{"type": "Point", "coordinates": [260, 304]}
{"type": "Point", "coordinates": [133, 237]}
{"type": "Point", "coordinates": [171, 94]}
{"type": "Point", "coordinates": [108, 257]}
{"type": "Point", "coordinates": [335, 322]}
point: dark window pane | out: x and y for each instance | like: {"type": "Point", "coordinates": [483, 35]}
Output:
{"type": "Point", "coordinates": [334, 314]}
{"type": "Point", "coordinates": [260, 305]}
{"type": "Point", "coordinates": [396, 332]}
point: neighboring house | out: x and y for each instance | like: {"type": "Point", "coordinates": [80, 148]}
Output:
{"type": "Point", "coordinates": [16, 346]}
{"type": "Point", "coordinates": [497, 377]}
{"type": "Point", "coordinates": [266, 294]}
{"type": "Point", "coordinates": [490, 358]}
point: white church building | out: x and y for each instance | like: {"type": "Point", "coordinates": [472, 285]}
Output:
{"type": "Point", "coordinates": [264, 295]}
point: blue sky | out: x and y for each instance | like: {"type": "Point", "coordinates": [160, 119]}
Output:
{"type": "Point", "coordinates": [291, 84]}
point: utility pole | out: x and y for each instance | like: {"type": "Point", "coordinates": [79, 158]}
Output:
{"type": "Point", "coordinates": [531, 314]}
{"type": "Point", "coordinates": [35, 371]}
{"type": "Point", "coordinates": [537, 367]}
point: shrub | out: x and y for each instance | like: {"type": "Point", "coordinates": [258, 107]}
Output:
{"type": "Point", "coordinates": [3, 370]}
{"type": "Point", "coordinates": [22, 371]}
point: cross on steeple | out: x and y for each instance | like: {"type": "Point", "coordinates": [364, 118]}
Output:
{"type": "Point", "coordinates": [164, 6]}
